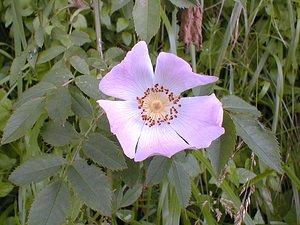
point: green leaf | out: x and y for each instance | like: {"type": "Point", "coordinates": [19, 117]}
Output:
{"type": "Point", "coordinates": [17, 27]}
{"type": "Point", "coordinates": [80, 104]}
{"type": "Point", "coordinates": [5, 188]}
{"type": "Point", "coordinates": [58, 105]}
{"type": "Point", "coordinates": [80, 65]}
{"type": "Point", "coordinates": [104, 152]}
{"type": "Point", "coordinates": [113, 55]}
{"type": "Point", "coordinates": [146, 17]}
{"type": "Point", "coordinates": [51, 206]}
{"type": "Point", "coordinates": [16, 67]}
{"type": "Point", "coordinates": [39, 90]}
{"type": "Point", "coordinates": [117, 4]}
{"type": "Point", "coordinates": [50, 53]}
{"type": "Point", "coordinates": [39, 37]}
{"type": "Point", "coordinates": [222, 148]}
{"type": "Point", "coordinates": [169, 205]}
{"type": "Point", "coordinates": [79, 38]}
{"type": "Point", "coordinates": [5, 108]}
{"type": "Point", "coordinates": [244, 175]}
{"type": "Point", "coordinates": [183, 3]}
{"type": "Point", "coordinates": [36, 169]}
{"type": "Point", "coordinates": [126, 216]}
{"type": "Point", "coordinates": [89, 85]}
{"type": "Point", "coordinates": [76, 51]}
{"type": "Point", "coordinates": [122, 24]}
{"type": "Point", "coordinates": [180, 180]}
{"type": "Point", "coordinates": [289, 171]}
{"type": "Point", "coordinates": [235, 104]}
{"type": "Point", "coordinates": [157, 170]}
{"type": "Point", "coordinates": [261, 141]}
{"type": "Point", "coordinates": [91, 185]}
{"type": "Point", "coordinates": [97, 63]}
{"type": "Point", "coordinates": [80, 23]}
{"type": "Point", "coordinates": [126, 38]}
{"type": "Point", "coordinates": [58, 135]}
{"type": "Point", "coordinates": [22, 119]}
{"type": "Point", "coordinates": [58, 76]}
{"type": "Point", "coordinates": [6, 163]}
{"type": "Point", "coordinates": [32, 55]}
{"type": "Point", "coordinates": [132, 174]}
{"type": "Point", "coordinates": [190, 165]}
{"type": "Point", "coordinates": [131, 195]}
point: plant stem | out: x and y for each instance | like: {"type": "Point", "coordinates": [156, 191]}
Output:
{"type": "Point", "coordinates": [98, 27]}
{"type": "Point", "coordinates": [84, 137]}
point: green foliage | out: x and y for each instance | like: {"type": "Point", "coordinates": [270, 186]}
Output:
{"type": "Point", "coordinates": [50, 67]}
{"type": "Point", "coordinates": [88, 85]}
{"type": "Point", "coordinates": [22, 119]}
{"type": "Point", "coordinates": [183, 3]}
{"type": "Point", "coordinates": [58, 76]}
{"type": "Point", "coordinates": [38, 91]}
{"type": "Point", "coordinates": [50, 53]}
{"type": "Point", "coordinates": [261, 141]}
{"type": "Point", "coordinates": [157, 170]}
{"type": "Point", "coordinates": [17, 67]}
{"type": "Point", "coordinates": [220, 150]}
{"type": "Point", "coordinates": [58, 105]}
{"type": "Point", "coordinates": [5, 188]}
{"type": "Point", "coordinates": [131, 195]}
{"type": "Point", "coordinates": [91, 186]}
{"type": "Point", "coordinates": [146, 18]}
{"type": "Point", "coordinates": [80, 65]}
{"type": "Point", "coordinates": [58, 134]}
{"type": "Point", "coordinates": [104, 152]}
{"type": "Point", "coordinates": [235, 104]}
{"type": "Point", "coordinates": [51, 205]}
{"type": "Point", "coordinates": [181, 182]}
{"type": "Point", "coordinates": [80, 104]}
{"type": "Point", "coordinates": [36, 169]}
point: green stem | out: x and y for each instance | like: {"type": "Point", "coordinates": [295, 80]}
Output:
{"type": "Point", "coordinates": [148, 206]}
{"type": "Point", "coordinates": [93, 123]}
{"type": "Point", "coordinates": [193, 57]}
{"type": "Point", "coordinates": [98, 27]}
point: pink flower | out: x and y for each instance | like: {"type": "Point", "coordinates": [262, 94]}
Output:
{"type": "Point", "coordinates": [152, 118]}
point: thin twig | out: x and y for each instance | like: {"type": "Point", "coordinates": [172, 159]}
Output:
{"type": "Point", "coordinates": [84, 136]}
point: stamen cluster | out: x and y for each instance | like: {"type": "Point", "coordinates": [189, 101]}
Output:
{"type": "Point", "coordinates": [158, 105]}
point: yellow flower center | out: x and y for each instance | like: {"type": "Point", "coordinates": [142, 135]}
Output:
{"type": "Point", "coordinates": [158, 105]}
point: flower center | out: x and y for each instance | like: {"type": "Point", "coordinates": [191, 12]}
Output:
{"type": "Point", "coordinates": [158, 105]}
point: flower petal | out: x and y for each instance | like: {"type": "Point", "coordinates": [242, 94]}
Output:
{"type": "Point", "coordinates": [177, 75]}
{"type": "Point", "coordinates": [131, 77]}
{"type": "Point", "coordinates": [159, 140]}
{"type": "Point", "coordinates": [125, 122]}
{"type": "Point", "coordinates": [199, 120]}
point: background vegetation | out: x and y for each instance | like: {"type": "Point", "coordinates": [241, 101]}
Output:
{"type": "Point", "coordinates": [72, 168]}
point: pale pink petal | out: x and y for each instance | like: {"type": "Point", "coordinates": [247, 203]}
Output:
{"type": "Point", "coordinates": [131, 77]}
{"type": "Point", "coordinates": [176, 74]}
{"type": "Point", "coordinates": [159, 140]}
{"type": "Point", "coordinates": [199, 120]}
{"type": "Point", "coordinates": [125, 122]}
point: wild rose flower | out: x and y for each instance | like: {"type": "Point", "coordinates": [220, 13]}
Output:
{"type": "Point", "coordinates": [152, 118]}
